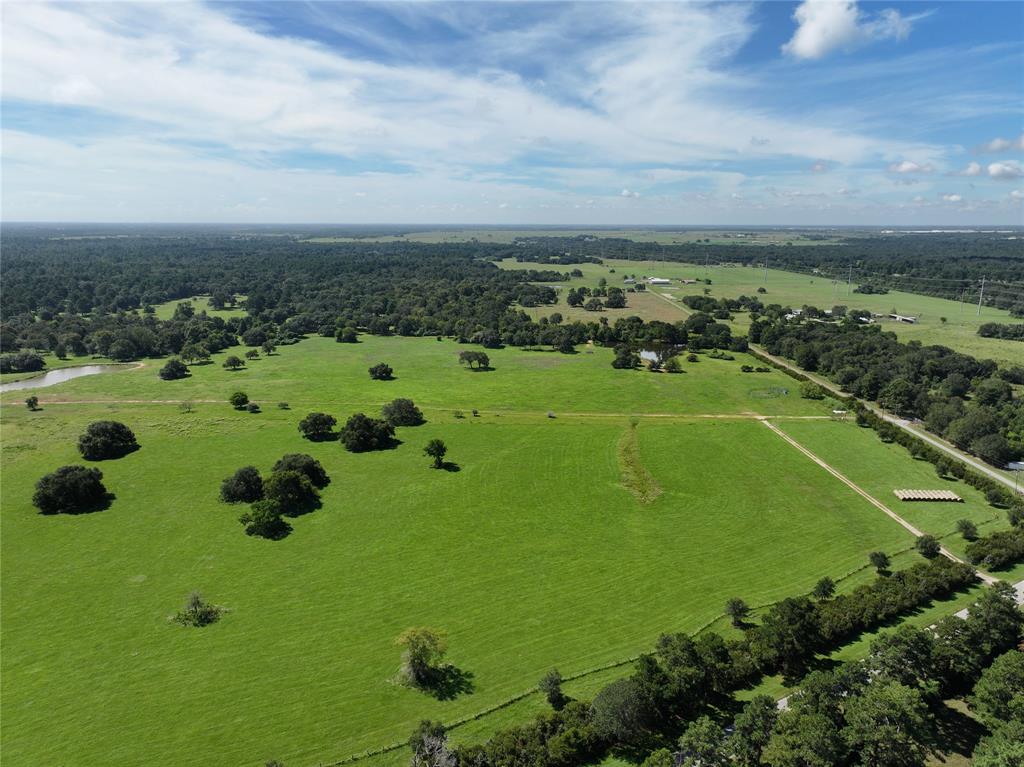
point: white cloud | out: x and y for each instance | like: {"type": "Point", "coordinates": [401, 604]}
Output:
{"type": "Point", "coordinates": [1004, 144]}
{"type": "Point", "coordinates": [909, 166]}
{"type": "Point", "coordinates": [628, 193]}
{"type": "Point", "coordinates": [972, 169]}
{"type": "Point", "coordinates": [1005, 171]}
{"type": "Point", "coordinates": [819, 167]}
{"type": "Point", "coordinates": [952, 198]}
{"type": "Point", "coordinates": [1017, 194]}
{"type": "Point", "coordinates": [824, 26]}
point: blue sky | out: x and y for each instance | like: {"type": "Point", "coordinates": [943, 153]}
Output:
{"type": "Point", "coordinates": [817, 112]}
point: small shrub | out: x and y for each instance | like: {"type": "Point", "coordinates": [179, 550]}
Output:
{"type": "Point", "coordinates": [282, 405]}
{"type": "Point", "coordinates": [32, 403]}
{"type": "Point", "coordinates": [197, 612]}
{"type": "Point", "coordinates": [70, 490]}
{"type": "Point", "coordinates": [252, 407]}
{"type": "Point", "coordinates": [263, 520]}
{"type": "Point", "coordinates": [105, 440]}
{"type": "Point", "coordinates": [381, 372]}
{"type": "Point", "coordinates": [967, 529]}
{"type": "Point", "coordinates": [244, 486]}
{"type": "Point", "coordinates": [927, 546]}
{"type": "Point", "coordinates": [691, 357]}
{"type": "Point", "coordinates": [174, 370]}
{"type": "Point", "coordinates": [402, 412]}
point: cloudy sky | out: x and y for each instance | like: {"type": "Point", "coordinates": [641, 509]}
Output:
{"type": "Point", "coordinates": [818, 112]}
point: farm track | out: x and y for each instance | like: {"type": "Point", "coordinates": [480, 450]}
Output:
{"type": "Point", "coordinates": [941, 444]}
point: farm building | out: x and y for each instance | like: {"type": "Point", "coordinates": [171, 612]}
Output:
{"type": "Point", "coordinates": [928, 495]}
{"type": "Point", "coordinates": [658, 281]}
{"type": "Point", "coordinates": [903, 318]}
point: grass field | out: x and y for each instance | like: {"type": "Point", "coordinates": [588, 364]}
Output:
{"type": "Point", "coordinates": [959, 332]}
{"type": "Point", "coordinates": [201, 304]}
{"type": "Point", "coordinates": [535, 554]}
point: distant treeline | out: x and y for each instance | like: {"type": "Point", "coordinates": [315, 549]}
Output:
{"type": "Point", "coordinates": [95, 296]}
{"type": "Point", "coordinates": [967, 401]}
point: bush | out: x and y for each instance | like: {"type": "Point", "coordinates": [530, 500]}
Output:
{"type": "Point", "coordinates": [304, 464]}
{"type": "Point", "coordinates": [927, 546]}
{"type": "Point", "coordinates": [198, 612]}
{"type": "Point", "coordinates": [244, 486]}
{"type": "Point", "coordinates": [362, 433]}
{"type": "Point", "coordinates": [263, 520]}
{"type": "Point", "coordinates": [811, 390]}
{"type": "Point", "coordinates": [239, 400]}
{"type": "Point", "coordinates": [402, 412]}
{"type": "Point", "coordinates": [292, 491]}
{"type": "Point", "coordinates": [106, 439]}
{"type": "Point", "coordinates": [381, 372]}
{"type": "Point", "coordinates": [967, 529]}
{"type": "Point", "coordinates": [173, 370]}
{"type": "Point", "coordinates": [70, 490]}
{"type": "Point", "coordinates": [21, 362]}
{"type": "Point", "coordinates": [32, 403]}
{"type": "Point", "coordinates": [317, 427]}
{"type": "Point", "coordinates": [252, 407]}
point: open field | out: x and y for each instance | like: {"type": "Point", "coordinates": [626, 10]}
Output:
{"type": "Point", "coordinates": [322, 374]}
{"type": "Point", "coordinates": [534, 555]}
{"type": "Point", "coordinates": [201, 304]}
{"type": "Point", "coordinates": [959, 332]}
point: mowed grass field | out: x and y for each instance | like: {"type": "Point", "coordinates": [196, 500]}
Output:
{"type": "Point", "coordinates": [534, 555]}
{"type": "Point", "coordinates": [959, 332]}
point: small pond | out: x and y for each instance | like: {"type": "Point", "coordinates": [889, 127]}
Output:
{"type": "Point", "coordinates": [61, 375]}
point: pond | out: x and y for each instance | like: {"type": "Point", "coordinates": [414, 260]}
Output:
{"type": "Point", "coordinates": [61, 375]}
{"type": "Point", "coordinates": [659, 352]}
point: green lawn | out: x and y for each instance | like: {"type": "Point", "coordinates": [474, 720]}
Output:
{"type": "Point", "coordinates": [959, 332]}
{"type": "Point", "coordinates": [532, 556]}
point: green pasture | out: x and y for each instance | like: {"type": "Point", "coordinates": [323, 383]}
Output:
{"type": "Point", "coordinates": [321, 374]}
{"type": "Point", "coordinates": [201, 304]}
{"type": "Point", "coordinates": [959, 332]}
{"type": "Point", "coordinates": [533, 555]}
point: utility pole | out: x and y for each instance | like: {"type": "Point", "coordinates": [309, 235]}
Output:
{"type": "Point", "coordinates": [766, 269]}
{"type": "Point", "coordinates": [962, 294]}
{"type": "Point", "coordinates": [849, 279]}
{"type": "Point", "coordinates": [981, 294]}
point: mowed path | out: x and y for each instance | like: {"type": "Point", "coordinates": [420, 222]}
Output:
{"type": "Point", "coordinates": [867, 496]}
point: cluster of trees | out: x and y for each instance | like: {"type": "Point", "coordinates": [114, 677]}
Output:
{"type": "Point", "coordinates": [969, 402]}
{"type": "Point", "coordinates": [675, 707]}
{"type": "Point", "coordinates": [1012, 332]}
{"type": "Point", "coordinates": [997, 551]}
{"type": "Point", "coordinates": [21, 362]}
{"type": "Point", "coordinates": [198, 612]}
{"type": "Point", "coordinates": [292, 488]}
